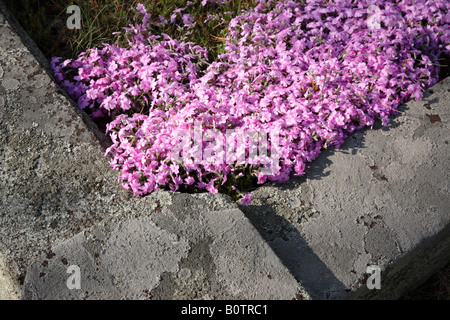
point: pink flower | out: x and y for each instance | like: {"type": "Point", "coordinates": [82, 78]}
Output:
{"type": "Point", "coordinates": [210, 186]}
{"type": "Point", "coordinates": [189, 180]}
{"type": "Point", "coordinates": [187, 19]}
{"type": "Point", "coordinates": [247, 199]}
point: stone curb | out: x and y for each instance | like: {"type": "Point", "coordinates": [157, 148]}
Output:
{"type": "Point", "coordinates": [382, 199]}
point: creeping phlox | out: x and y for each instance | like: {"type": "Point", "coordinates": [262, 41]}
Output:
{"type": "Point", "coordinates": [299, 76]}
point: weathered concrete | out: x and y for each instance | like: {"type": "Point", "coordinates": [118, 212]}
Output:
{"type": "Point", "coordinates": [9, 288]}
{"type": "Point", "coordinates": [61, 205]}
{"type": "Point", "coordinates": [200, 255]}
{"type": "Point", "coordinates": [382, 199]}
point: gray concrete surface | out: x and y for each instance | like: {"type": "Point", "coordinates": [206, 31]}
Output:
{"type": "Point", "coordinates": [199, 255]}
{"type": "Point", "coordinates": [381, 199]}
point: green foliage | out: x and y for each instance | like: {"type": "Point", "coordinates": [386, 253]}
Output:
{"type": "Point", "coordinates": [45, 22]}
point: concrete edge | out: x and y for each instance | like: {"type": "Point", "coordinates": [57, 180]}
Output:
{"type": "Point", "coordinates": [10, 289]}
{"type": "Point", "coordinates": [39, 56]}
{"type": "Point", "coordinates": [27, 41]}
{"type": "Point", "coordinates": [411, 270]}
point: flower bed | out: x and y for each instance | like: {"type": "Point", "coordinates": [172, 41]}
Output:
{"type": "Point", "coordinates": [295, 78]}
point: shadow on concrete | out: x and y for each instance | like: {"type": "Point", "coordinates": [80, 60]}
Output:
{"type": "Point", "coordinates": [294, 252]}
{"type": "Point", "coordinates": [286, 240]}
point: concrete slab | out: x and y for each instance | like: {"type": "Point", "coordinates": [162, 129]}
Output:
{"type": "Point", "coordinates": [381, 199]}
{"type": "Point", "coordinates": [200, 255]}
{"type": "Point", "coordinates": [61, 205]}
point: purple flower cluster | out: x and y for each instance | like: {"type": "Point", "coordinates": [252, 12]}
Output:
{"type": "Point", "coordinates": [310, 74]}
